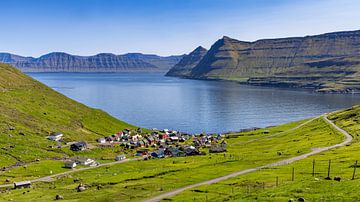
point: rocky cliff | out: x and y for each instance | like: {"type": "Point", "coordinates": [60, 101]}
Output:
{"type": "Point", "coordinates": [328, 62]}
{"type": "Point", "coordinates": [187, 63]}
{"type": "Point", "coordinates": [104, 62]}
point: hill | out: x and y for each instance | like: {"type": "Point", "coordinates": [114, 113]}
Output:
{"type": "Point", "coordinates": [103, 62]}
{"type": "Point", "coordinates": [29, 111]}
{"type": "Point", "coordinates": [187, 63]}
{"type": "Point", "coordinates": [327, 63]}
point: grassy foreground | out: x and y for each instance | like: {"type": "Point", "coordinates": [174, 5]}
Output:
{"type": "Point", "coordinates": [138, 180]}
{"type": "Point", "coordinates": [29, 111]}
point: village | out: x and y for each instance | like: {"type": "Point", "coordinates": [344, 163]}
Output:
{"type": "Point", "coordinates": [147, 145]}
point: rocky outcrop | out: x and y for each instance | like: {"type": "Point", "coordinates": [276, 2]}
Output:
{"type": "Point", "coordinates": [324, 62]}
{"type": "Point", "coordinates": [187, 63]}
{"type": "Point", "coordinates": [104, 62]}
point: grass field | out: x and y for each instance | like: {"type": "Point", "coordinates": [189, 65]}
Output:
{"type": "Point", "coordinates": [251, 187]}
{"type": "Point", "coordinates": [138, 180]}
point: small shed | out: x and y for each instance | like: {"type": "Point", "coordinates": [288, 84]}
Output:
{"type": "Point", "coordinates": [101, 140]}
{"type": "Point", "coordinates": [55, 136]}
{"type": "Point", "coordinates": [120, 157]}
{"type": "Point", "coordinates": [78, 146]}
{"type": "Point", "coordinates": [69, 164]}
{"type": "Point", "coordinates": [23, 184]}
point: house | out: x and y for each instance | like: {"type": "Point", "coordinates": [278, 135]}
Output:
{"type": "Point", "coordinates": [150, 139]}
{"type": "Point", "coordinates": [109, 139]}
{"type": "Point", "coordinates": [120, 157]}
{"type": "Point", "coordinates": [23, 184]}
{"type": "Point", "coordinates": [173, 151]}
{"type": "Point", "coordinates": [55, 136]}
{"type": "Point", "coordinates": [78, 146]}
{"type": "Point", "coordinates": [223, 144]}
{"type": "Point", "coordinates": [141, 143]}
{"type": "Point", "coordinates": [142, 152]}
{"type": "Point", "coordinates": [218, 148]}
{"type": "Point", "coordinates": [174, 138]}
{"type": "Point", "coordinates": [146, 142]}
{"type": "Point", "coordinates": [69, 164]}
{"type": "Point", "coordinates": [127, 131]}
{"type": "Point", "coordinates": [190, 150]}
{"type": "Point", "coordinates": [101, 140]}
{"type": "Point", "coordinates": [158, 154]}
{"type": "Point", "coordinates": [84, 161]}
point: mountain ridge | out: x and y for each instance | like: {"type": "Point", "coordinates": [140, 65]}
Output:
{"type": "Point", "coordinates": [327, 62]}
{"type": "Point", "coordinates": [188, 62]}
{"type": "Point", "coordinates": [102, 62]}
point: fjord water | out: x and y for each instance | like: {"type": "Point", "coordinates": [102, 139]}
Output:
{"type": "Point", "coordinates": [156, 101]}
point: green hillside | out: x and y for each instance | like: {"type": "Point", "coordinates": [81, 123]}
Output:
{"type": "Point", "coordinates": [29, 111]}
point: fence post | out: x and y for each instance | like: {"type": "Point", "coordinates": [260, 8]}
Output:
{"type": "Point", "coordinates": [293, 174]}
{"type": "Point", "coordinates": [353, 177]}
{"type": "Point", "coordinates": [277, 181]}
{"type": "Point", "coordinates": [329, 169]}
{"type": "Point", "coordinates": [313, 168]}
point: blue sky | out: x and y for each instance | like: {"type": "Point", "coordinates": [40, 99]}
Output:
{"type": "Point", "coordinates": [164, 27]}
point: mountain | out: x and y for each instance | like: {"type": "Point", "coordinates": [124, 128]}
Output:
{"type": "Point", "coordinates": [164, 63]}
{"type": "Point", "coordinates": [187, 63]}
{"type": "Point", "coordinates": [327, 62]}
{"type": "Point", "coordinates": [103, 62]}
{"type": "Point", "coordinates": [29, 111]}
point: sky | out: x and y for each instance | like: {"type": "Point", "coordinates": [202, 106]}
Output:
{"type": "Point", "coordinates": [163, 27]}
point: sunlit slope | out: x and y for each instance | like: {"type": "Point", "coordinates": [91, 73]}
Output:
{"type": "Point", "coordinates": [29, 111]}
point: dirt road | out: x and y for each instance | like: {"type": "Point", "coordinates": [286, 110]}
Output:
{"type": "Point", "coordinates": [51, 177]}
{"type": "Point", "coordinates": [279, 163]}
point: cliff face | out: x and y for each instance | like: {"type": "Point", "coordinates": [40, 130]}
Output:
{"type": "Point", "coordinates": [187, 63]}
{"type": "Point", "coordinates": [104, 62]}
{"type": "Point", "coordinates": [327, 62]}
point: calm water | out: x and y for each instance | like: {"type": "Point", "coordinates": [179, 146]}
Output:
{"type": "Point", "coordinates": [155, 101]}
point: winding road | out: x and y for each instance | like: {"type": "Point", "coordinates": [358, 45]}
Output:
{"type": "Point", "coordinates": [215, 180]}
{"type": "Point", "coordinates": [279, 163]}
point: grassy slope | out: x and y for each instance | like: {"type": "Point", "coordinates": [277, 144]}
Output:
{"type": "Point", "coordinates": [313, 188]}
{"type": "Point", "coordinates": [134, 181]}
{"type": "Point", "coordinates": [30, 108]}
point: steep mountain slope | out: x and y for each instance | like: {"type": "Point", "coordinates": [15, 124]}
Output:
{"type": "Point", "coordinates": [187, 63]}
{"type": "Point", "coordinates": [29, 111]}
{"type": "Point", "coordinates": [328, 62]}
{"type": "Point", "coordinates": [104, 62]}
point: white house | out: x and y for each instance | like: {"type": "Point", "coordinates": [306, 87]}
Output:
{"type": "Point", "coordinates": [101, 140]}
{"type": "Point", "coordinates": [55, 136]}
{"type": "Point", "coordinates": [70, 164]}
{"type": "Point", "coordinates": [84, 161]}
{"type": "Point", "coordinates": [120, 157]}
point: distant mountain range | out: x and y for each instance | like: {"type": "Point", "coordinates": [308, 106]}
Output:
{"type": "Point", "coordinates": [327, 63]}
{"type": "Point", "coordinates": [103, 62]}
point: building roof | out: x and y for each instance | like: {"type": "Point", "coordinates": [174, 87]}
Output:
{"type": "Point", "coordinates": [22, 183]}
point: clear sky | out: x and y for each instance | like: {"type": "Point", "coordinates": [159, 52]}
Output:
{"type": "Point", "coordinates": [164, 27]}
